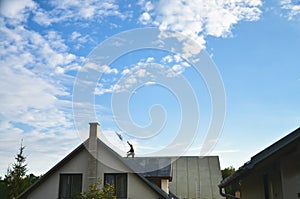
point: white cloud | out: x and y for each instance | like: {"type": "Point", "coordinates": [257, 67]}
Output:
{"type": "Point", "coordinates": [59, 70]}
{"type": "Point", "coordinates": [167, 59]}
{"type": "Point", "coordinates": [177, 68]}
{"type": "Point", "coordinates": [77, 10]}
{"type": "Point", "coordinates": [175, 58]}
{"type": "Point", "coordinates": [15, 9]}
{"type": "Point", "coordinates": [149, 6]}
{"type": "Point", "coordinates": [101, 69]}
{"type": "Point", "coordinates": [75, 35]}
{"type": "Point", "coordinates": [129, 81]}
{"type": "Point", "coordinates": [196, 19]}
{"type": "Point", "coordinates": [35, 103]}
{"type": "Point", "coordinates": [130, 77]}
{"type": "Point", "coordinates": [125, 71]}
{"type": "Point", "coordinates": [150, 83]}
{"type": "Point", "coordinates": [141, 72]}
{"type": "Point", "coordinates": [145, 18]}
{"type": "Point", "coordinates": [150, 59]}
{"type": "Point", "coordinates": [79, 40]}
{"type": "Point", "coordinates": [100, 90]}
{"type": "Point", "coordinates": [292, 7]}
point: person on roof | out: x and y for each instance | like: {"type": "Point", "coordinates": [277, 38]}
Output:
{"type": "Point", "coordinates": [131, 151]}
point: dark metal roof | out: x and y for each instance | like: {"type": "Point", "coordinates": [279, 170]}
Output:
{"type": "Point", "coordinates": [151, 166]}
{"type": "Point", "coordinates": [261, 156]}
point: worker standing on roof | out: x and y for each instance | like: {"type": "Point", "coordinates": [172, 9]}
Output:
{"type": "Point", "coordinates": [131, 151]}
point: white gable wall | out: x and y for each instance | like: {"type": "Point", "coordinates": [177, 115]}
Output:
{"type": "Point", "coordinates": [49, 189]}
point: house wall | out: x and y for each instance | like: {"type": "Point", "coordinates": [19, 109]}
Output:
{"type": "Point", "coordinates": [290, 174]}
{"type": "Point", "coordinates": [138, 189]}
{"type": "Point", "coordinates": [49, 189]}
{"type": "Point", "coordinates": [252, 187]}
{"type": "Point", "coordinates": [283, 178]}
{"type": "Point", "coordinates": [196, 177]}
{"type": "Point", "coordinates": [79, 164]}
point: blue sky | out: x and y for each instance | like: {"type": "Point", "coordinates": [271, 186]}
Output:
{"type": "Point", "coordinates": [45, 46]}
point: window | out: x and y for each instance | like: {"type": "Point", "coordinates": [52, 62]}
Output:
{"type": "Point", "coordinates": [119, 180]}
{"type": "Point", "coordinates": [70, 185]}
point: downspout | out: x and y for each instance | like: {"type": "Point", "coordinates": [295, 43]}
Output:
{"type": "Point", "coordinates": [226, 195]}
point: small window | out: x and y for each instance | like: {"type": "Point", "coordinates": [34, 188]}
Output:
{"type": "Point", "coordinates": [119, 181]}
{"type": "Point", "coordinates": [70, 186]}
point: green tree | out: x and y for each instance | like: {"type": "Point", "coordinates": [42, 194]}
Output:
{"type": "Point", "coordinates": [16, 180]}
{"type": "Point", "coordinates": [231, 189]}
{"type": "Point", "coordinates": [15, 176]}
{"type": "Point", "coordinates": [3, 189]}
{"type": "Point", "coordinates": [96, 191]}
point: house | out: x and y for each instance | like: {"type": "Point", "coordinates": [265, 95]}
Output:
{"type": "Point", "coordinates": [134, 178]}
{"type": "Point", "coordinates": [273, 173]}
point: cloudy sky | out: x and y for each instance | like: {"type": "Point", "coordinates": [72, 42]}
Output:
{"type": "Point", "coordinates": [46, 45]}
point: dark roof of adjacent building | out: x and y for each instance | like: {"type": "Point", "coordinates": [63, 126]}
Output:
{"type": "Point", "coordinates": [151, 166]}
{"type": "Point", "coordinates": [274, 150]}
{"type": "Point", "coordinates": [72, 155]}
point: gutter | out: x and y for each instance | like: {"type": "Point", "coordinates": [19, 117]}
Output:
{"type": "Point", "coordinates": [226, 195]}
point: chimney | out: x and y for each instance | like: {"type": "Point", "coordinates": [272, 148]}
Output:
{"type": "Point", "coordinates": [92, 161]}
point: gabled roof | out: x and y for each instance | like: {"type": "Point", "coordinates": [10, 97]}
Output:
{"type": "Point", "coordinates": [51, 171]}
{"type": "Point", "coordinates": [72, 155]}
{"type": "Point", "coordinates": [273, 150]}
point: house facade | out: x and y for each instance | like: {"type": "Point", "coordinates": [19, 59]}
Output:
{"type": "Point", "coordinates": [184, 177]}
{"type": "Point", "coordinates": [274, 173]}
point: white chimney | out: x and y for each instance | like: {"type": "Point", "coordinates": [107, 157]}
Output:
{"type": "Point", "coordinates": [92, 161]}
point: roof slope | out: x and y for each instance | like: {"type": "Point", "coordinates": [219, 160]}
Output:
{"type": "Point", "coordinates": [151, 166]}
{"type": "Point", "coordinates": [72, 155]}
{"type": "Point", "coordinates": [51, 171]}
{"type": "Point", "coordinates": [272, 150]}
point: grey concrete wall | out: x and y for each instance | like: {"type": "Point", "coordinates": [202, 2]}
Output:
{"type": "Point", "coordinates": [196, 177]}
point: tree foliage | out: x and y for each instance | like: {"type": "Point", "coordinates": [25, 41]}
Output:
{"type": "Point", "coordinates": [16, 180]}
{"type": "Point", "coordinates": [97, 191]}
{"type": "Point", "coordinates": [3, 189]}
{"type": "Point", "coordinates": [15, 176]}
{"type": "Point", "coordinates": [231, 189]}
